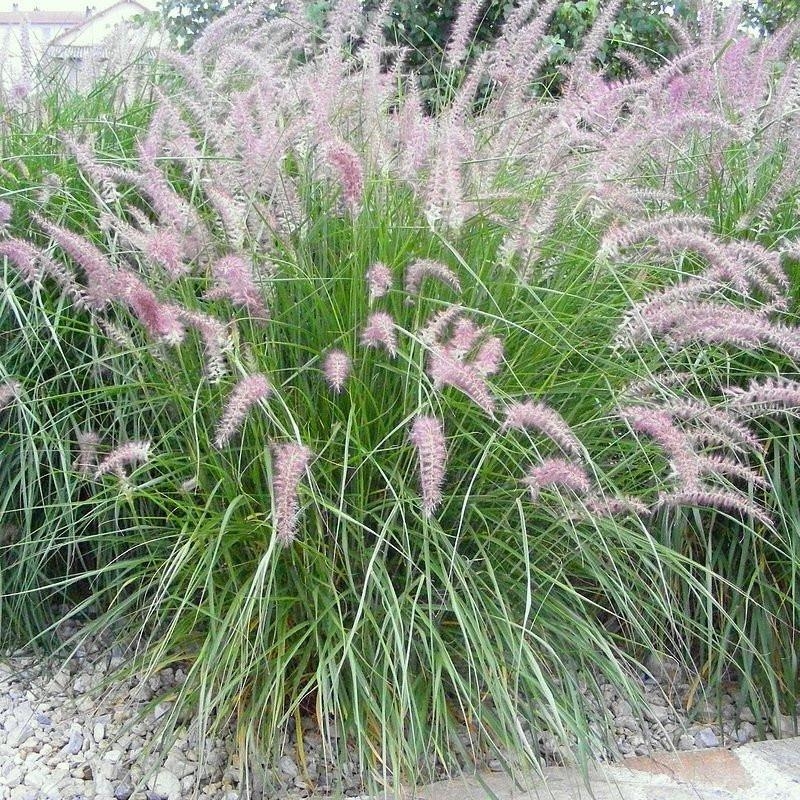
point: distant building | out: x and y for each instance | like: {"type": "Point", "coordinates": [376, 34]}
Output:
{"type": "Point", "coordinates": [81, 41]}
{"type": "Point", "coordinates": [60, 41]}
{"type": "Point", "coordinates": [24, 36]}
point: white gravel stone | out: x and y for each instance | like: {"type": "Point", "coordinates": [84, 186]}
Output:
{"type": "Point", "coordinates": [59, 737]}
{"type": "Point", "coordinates": [166, 785]}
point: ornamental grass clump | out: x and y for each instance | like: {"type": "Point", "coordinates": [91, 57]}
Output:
{"type": "Point", "coordinates": [402, 421]}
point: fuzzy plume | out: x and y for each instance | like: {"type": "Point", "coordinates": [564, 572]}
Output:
{"type": "Point", "coordinates": [344, 161]}
{"type": "Point", "coordinates": [706, 497]}
{"type": "Point", "coordinates": [123, 456]}
{"type": "Point", "coordinates": [769, 396]}
{"type": "Point", "coordinates": [427, 268]}
{"type": "Point", "coordinates": [249, 391]}
{"type": "Point", "coordinates": [427, 436]}
{"type": "Point", "coordinates": [458, 42]}
{"type": "Point", "coordinates": [379, 281]}
{"type": "Point", "coordinates": [86, 459]}
{"type": "Point", "coordinates": [534, 415]}
{"type": "Point", "coordinates": [289, 464]}
{"type": "Point", "coordinates": [659, 426]}
{"type": "Point", "coordinates": [5, 215]}
{"type": "Point", "coordinates": [336, 368]}
{"type": "Point", "coordinates": [380, 332]}
{"type": "Point", "coordinates": [556, 472]}
{"type": "Point", "coordinates": [215, 336]}
{"type": "Point", "coordinates": [445, 369]}
{"type": "Point", "coordinates": [9, 391]}
{"type": "Point", "coordinates": [233, 278]}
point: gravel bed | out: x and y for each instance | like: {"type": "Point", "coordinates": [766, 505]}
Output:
{"type": "Point", "coordinates": [62, 740]}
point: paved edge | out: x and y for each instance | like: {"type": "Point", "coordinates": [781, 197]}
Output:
{"type": "Point", "coordinates": [768, 770]}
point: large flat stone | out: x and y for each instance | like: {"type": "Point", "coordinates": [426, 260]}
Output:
{"type": "Point", "coordinates": [782, 754]}
{"type": "Point", "coordinates": [718, 768]}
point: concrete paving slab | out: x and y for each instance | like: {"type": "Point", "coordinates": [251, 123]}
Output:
{"type": "Point", "coordinates": [717, 768]}
{"type": "Point", "coordinates": [757, 771]}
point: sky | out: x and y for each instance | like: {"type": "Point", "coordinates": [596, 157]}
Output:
{"type": "Point", "coordinates": [63, 5]}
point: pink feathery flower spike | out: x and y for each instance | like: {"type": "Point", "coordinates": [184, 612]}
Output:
{"type": "Point", "coordinates": [427, 268]}
{"type": "Point", "coordinates": [379, 281]}
{"type": "Point", "coordinates": [427, 436]}
{"type": "Point", "coordinates": [556, 472]}
{"type": "Point", "coordinates": [117, 460]}
{"type": "Point", "coordinates": [346, 163]}
{"type": "Point", "coordinates": [703, 496]}
{"type": "Point", "coordinates": [437, 326]}
{"type": "Point", "coordinates": [659, 426]}
{"type": "Point", "coordinates": [769, 396]}
{"type": "Point", "coordinates": [445, 370]}
{"type": "Point", "coordinates": [163, 246]}
{"type": "Point", "coordinates": [380, 332]}
{"type": "Point", "coordinates": [233, 277]}
{"type": "Point", "coordinates": [458, 43]}
{"type": "Point", "coordinates": [489, 357]}
{"type": "Point", "coordinates": [215, 336]}
{"type": "Point", "coordinates": [9, 391]}
{"type": "Point", "coordinates": [245, 394]}
{"type": "Point", "coordinates": [87, 452]}
{"type": "Point", "coordinates": [154, 315]}
{"type": "Point", "coordinates": [5, 215]}
{"type": "Point", "coordinates": [532, 414]}
{"type": "Point", "coordinates": [465, 334]}
{"type": "Point", "coordinates": [337, 367]}
{"type": "Point", "coordinates": [289, 463]}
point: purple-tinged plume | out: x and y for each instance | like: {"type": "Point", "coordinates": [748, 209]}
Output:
{"type": "Point", "coordinates": [5, 215]}
{"type": "Point", "coordinates": [556, 472]}
{"type": "Point", "coordinates": [337, 367]}
{"type": "Point", "coordinates": [245, 394]}
{"type": "Point", "coordinates": [9, 391]}
{"type": "Point", "coordinates": [379, 281]}
{"type": "Point", "coordinates": [215, 336]}
{"type": "Point", "coordinates": [714, 425]}
{"type": "Point", "coordinates": [380, 332]}
{"type": "Point", "coordinates": [289, 463]}
{"type": "Point", "coordinates": [24, 256]}
{"type": "Point", "coordinates": [347, 165]}
{"type": "Point", "coordinates": [428, 268]}
{"type": "Point", "coordinates": [464, 337]}
{"type": "Point", "coordinates": [659, 426]}
{"type": "Point", "coordinates": [447, 370]}
{"type": "Point", "coordinates": [86, 460]}
{"type": "Point", "coordinates": [458, 42]}
{"type": "Point", "coordinates": [706, 497]}
{"type": "Point", "coordinates": [123, 456]}
{"type": "Point", "coordinates": [163, 246]}
{"type": "Point", "coordinates": [157, 317]}
{"type": "Point", "coordinates": [771, 396]}
{"type": "Point", "coordinates": [101, 277]}
{"type": "Point", "coordinates": [427, 436]}
{"type": "Point", "coordinates": [604, 506]}
{"type": "Point", "coordinates": [489, 357]}
{"type": "Point", "coordinates": [234, 279]}
{"type": "Point", "coordinates": [438, 325]}
{"type": "Point", "coordinates": [532, 414]}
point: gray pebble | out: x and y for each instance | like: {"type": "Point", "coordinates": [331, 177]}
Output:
{"type": "Point", "coordinates": [287, 766]}
{"type": "Point", "coordinates": [706, 738]}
